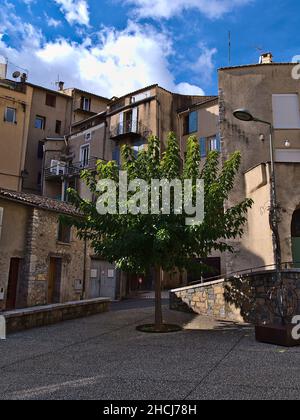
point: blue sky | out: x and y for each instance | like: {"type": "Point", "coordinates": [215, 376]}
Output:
{"type": "Point", "coordinates": [115, 46]}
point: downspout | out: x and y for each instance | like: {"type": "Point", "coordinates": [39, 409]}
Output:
{"type": "Point", "coordinates": [84, 270]}
{"type": "Point", "coordinates": [158, 118]}
{"type": "Point", "coordinates": [23, 153]}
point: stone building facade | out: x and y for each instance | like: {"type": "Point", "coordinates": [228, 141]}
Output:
{"type": "Point", "coordinates": [41, 262]}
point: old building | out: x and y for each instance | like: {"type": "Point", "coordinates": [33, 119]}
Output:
{"type": "Point", "coordinates": [41, 259]}
{"type": "Point", "coordinates": [148, 111]}
{"type": "Point", "coordinates": [52, 114]}
{"type": "Point", "coordinates": [84, 104]}
{"type": "Point", "coordinates": [15, 109]}
{"type": "Point", "coordinates": [202, 121]}
{"type": "Point", "coordinates": [66, 157]}
{"type": "Point", "coordinates": [271, 94]}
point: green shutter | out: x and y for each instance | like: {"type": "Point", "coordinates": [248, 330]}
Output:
{"type": "Point", "coordinates": [203, 147]}
{"type": "Point", "coordinates": [193, 122]}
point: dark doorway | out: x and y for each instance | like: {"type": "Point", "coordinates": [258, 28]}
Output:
{"type": "Point", "coordinates": [204, 269]}
{"type": "Point", "coordinates": [296, 238]}
{"type": "Point", "coordinates": [54, 280]}
{"type": "Point", "coordinates": [13, 280]}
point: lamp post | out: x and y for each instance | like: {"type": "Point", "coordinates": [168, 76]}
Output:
{"type": "Point", "coordinates": [282, 300]}
{"type": "Point", "coordinates": [245, 115]}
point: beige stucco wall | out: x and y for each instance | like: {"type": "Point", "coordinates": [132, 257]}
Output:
{"type": "Point", "coordinates": [13, 137]}
{"type": "Point", "coordinates": [62, 112]}
{"type": "Point", "coordinates": [208, 123]}
{"type": "Point", "coordinates": [53, 150]}
{"type": "Point", "coordinates": [97, 143]}
{"type": "Point", "coordinates": [252, 88]}
{"type": "Point", "coordinates": [98, 104]}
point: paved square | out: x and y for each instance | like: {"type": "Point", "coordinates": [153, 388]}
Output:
{"type": "Point", "coordinates": [104, 357]}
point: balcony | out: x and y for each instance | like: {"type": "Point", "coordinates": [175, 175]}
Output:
{"type": "Point", "coordinates": [61, 170]}
{"type": "Point", "coordinates": [15, 86]}
{"type": "Point", "coordinates": [129, 129]}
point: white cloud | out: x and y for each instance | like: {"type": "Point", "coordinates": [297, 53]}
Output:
{"type": "Point", "coordinates": [53, 23]}
{"type": "Point", "coordinates": [204, 65]}
{"type": "Point", "coordinates": [115, 64]}
{"type": "Point", "coordinates": [213, 9]}
{"type": "Point", "coordinates": [75, 11]}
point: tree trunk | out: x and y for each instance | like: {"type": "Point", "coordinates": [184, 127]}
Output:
{"type": "Point", "coordinates": [158, 305]}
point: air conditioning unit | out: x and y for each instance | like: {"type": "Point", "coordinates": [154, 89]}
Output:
{"type": "Point", "coordinates": [58, 168]}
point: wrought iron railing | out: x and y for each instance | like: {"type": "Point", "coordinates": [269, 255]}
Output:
{"type": "Point", "coordinates": [132, 127]}
{"type": "Point", "coordinates": [16, 86]}
{"type": "Point", "coordinates": [284, 266]}
{"type": "Point", "coordinates": [74, 169]}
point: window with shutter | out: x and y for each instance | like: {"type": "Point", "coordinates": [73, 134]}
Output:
{"type": "Point", "coordinates": [286, 113]}
{"type": "Point", "coordinates": [193, 122]}
{"type": "Point", "coordinates": [203, 147]}
{"type": "Point", "coordinates": [116, 154]}
{"type": "Point", "coordinates": [50, 100]}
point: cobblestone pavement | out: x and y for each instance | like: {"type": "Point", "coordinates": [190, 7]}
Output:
{"type": "Point", "coordinates": [104, 357]}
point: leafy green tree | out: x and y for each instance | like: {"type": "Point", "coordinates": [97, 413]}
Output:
{"type": "Point", "coordinates": [139, 243]}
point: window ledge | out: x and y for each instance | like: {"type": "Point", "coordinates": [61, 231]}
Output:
{"type": "Point", "coordinates": [64, 243]}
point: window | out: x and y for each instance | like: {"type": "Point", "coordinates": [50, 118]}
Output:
{"type": "Point", "coordinates": [85, 103]}
{"type": "Point", "coordinates": [190, 123]}
{"type": "Point", "coordinates": [40, 153]}
{"type": "Point", "coordinates": [84, 155]}
{"type": "Point", "coordinates": [51, 100]}
{"type": "Point", "coordinates": [58, 127]}
{"type": "Point", "coordinates": [10, 115]}
{"type": "Point", "coordinates": [203, 148]}
{"type": "Point", "coordinates": [215, 144]}
{"type": "Point", "coordinates": [116, 154]}
{"type": "Point", "coordinates": [138, 146]}
{"type": "Point", "coordinates": [140, 97]}
{"type": "Point", "coordinates": [286, 113]}
{"type": "Point", "coordinates": [40, 122]}
{"type": "Point", "coordinates": [64, 233]}
{"type": "Point", "coordinates": [210, 144]}
{"type": "Point", "coordinates": [193, 122]}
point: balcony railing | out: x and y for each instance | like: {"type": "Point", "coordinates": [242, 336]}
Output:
{"type": "Point", "coordinates": [62, 170]}
{"type": "Point", "coordinates": [16, 86]}
{"type": "Point", "coordinates": [130, 128]}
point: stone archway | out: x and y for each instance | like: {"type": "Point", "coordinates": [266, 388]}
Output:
{"type": "Point", "coordinates": [295, 233]}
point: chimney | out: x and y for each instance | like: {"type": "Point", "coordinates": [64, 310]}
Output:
{"type": "Point", "coordinates": [24, 78]}
{"type": "Point", "coordinates": [266, 58]}
{"type": "Point", "coordinates": [3, 67]}
{"type": "Point", "coordinates": [61, 86]}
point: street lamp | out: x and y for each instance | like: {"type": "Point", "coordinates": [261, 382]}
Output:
{"type": "Point", "coordinates": [283, 301]}
{"type": "Point", "coordinates": [246, 116]}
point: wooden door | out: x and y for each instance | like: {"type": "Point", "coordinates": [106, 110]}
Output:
{"type": "Point", "coordinates": [13, 283]}
{"type": "Point", "coordinates": [54, 280]}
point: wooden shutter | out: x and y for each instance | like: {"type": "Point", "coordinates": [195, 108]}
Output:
{"type": "Point", "coordinates": [193, 122]}
{"type": "Point", "coordinates": [203, 147]}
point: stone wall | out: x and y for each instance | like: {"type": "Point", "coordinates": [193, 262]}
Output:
{"type": "Point", "coordinates": [30, 234]}
{"type": "Point", "coordinates": [241, 299]}
{"type": "Point", "coordinates": [25, 319]}
{"type": "Point", "coordinates": [41, 245]}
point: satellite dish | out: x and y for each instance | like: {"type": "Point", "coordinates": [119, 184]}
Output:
{"type": "Point", "coordinates": [16, 75]}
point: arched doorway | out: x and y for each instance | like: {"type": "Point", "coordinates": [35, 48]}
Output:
{"type": "Point", "coordinates": [296, 238]}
